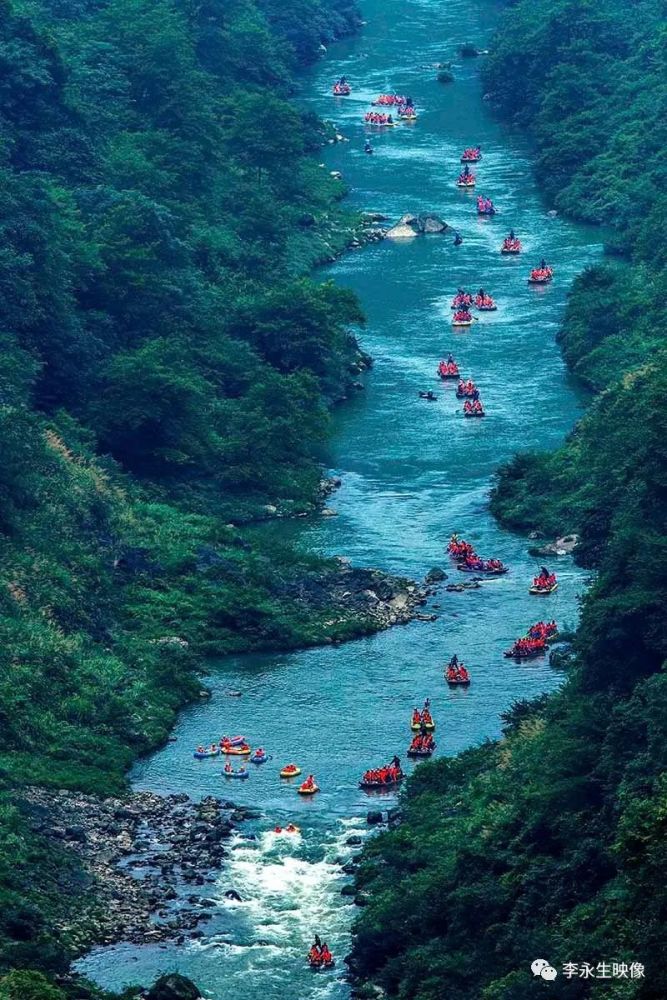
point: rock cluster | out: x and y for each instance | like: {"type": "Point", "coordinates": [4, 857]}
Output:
{"type": "Point", "coordinates": [374, 597]}
{"type": "Point", "coordinates": [147, 859]}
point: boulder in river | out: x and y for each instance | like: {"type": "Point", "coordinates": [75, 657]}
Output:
{"type": "Point", "coordinates": [400, 233]}
{"type": "Point", "coordinates": [173, 986]}
{"type": "Point", "coordinates": [563, 546]}
{"type": "Point", "coordinates": [435, 575]}
{"type": "Point", "coordinates": [409, 226]}
{"type": "Point", "coordinates": [431, 223]}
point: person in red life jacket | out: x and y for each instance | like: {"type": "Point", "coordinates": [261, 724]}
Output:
{"type": "Point", "coordinates": [463, 674]}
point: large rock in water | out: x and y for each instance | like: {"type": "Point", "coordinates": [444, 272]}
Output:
{"type": "Point", "coordinates": [173, 987]}
{"type": "Point", "coordinates": [405, 228]}
{"type": "Point", "coordinates": [431, 223]}
{"type": "Point", "coordinates": [409, 226]}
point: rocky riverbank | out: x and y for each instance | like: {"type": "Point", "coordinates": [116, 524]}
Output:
{"type": "Point", "coordinates": [364, 600]}
{"type": "Point", "coordinates": [146, 861]}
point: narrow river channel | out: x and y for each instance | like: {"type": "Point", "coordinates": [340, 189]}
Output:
{"type": "Point", "coordinates": [412, 473]}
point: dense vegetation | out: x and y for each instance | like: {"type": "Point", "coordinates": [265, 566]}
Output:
{"type": "Point", "coordinates": [165, 369]}
{"type": "Point", "coordinates": [552, 842]}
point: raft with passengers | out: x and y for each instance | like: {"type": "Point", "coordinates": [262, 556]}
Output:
{"type": "Point", "coordinates": [422, 746]}
{"type": "Point", "coordinates": [544, 583]}
{"type": "Point", "coordinates": [422, 720]}
{"type": "Point", "coordinates": [462, 318]}
{"type": "Point", "coordinates": [458, 548]}
{"type": "Point", "coordinates": [448, 369]}
{"type": "Point", "coordinates": [541, 275]}
{"type": "Point", "coordinates": [341, 88]}
{"type": "Point", "coordinates": [511, 244]}
{"type": "Point", "coordinates": [407, 112]}
{"type": "Point", "coordinates": [484, 302]}
{"type": "Point", "coordinates": [389, 101]}
{"type": "Point", "coordinates": [535, 642]}
{"type": "Point", "coordinates": [309, 786]}
{"type": "Point", "coordinates": [379, 119]}
{"type": "Point", "coordinates": [485, 206]}
{"type": "Point", "coordinates": [462, 299]}
{"type": "Point", "coordinates": [456, 673]}
{"type": "Point", "coordinates": [488, 567]}
{"type": "Point", "coordinates": [319, 956]}
{"type": "Point", "coordinates": [466, 179]}
{"type": "Point", "coordinates": [473, 408]}
{"type": "Point", "coordinates": [526, 649]}
{"type": "Point", "coordinates": [241, 774]}
{"type": "Point", "coordinates": [388, 776]}
{"type": "Point", "coordinates": [467, 390]}
{"type": "Point", "coordinates": [473, 154]}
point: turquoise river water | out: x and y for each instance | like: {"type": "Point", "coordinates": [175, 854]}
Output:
{"type": "Point", "coordinates": [412, 473]}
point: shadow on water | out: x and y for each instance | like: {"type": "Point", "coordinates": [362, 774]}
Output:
{"type": "Point", "coordinates": [412, 473]}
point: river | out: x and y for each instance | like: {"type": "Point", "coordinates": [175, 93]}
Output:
{"type": "Point", "coordinates": [412, 473]}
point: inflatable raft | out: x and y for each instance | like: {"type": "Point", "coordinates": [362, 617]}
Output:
{"type": "Point", "coordinates": [515, 654]}
{"type": "Point", "coordinates": [204, 754]}
{"type": "Point", "coordinates": [371, 786]}
{"type": "Point", "coordinates": [308, 789]}
{"type": "Point", "coordinates": [421, 753]}
{"type": "Point", "coordinates": [543, 591]}
{"type": "Point", "coordinates": [491, 571]}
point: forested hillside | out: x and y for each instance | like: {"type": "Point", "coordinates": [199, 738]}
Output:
{"type": "Point", "coordinates": [551, 843]}
{"type": "Point", "coordinates": [165, 370]}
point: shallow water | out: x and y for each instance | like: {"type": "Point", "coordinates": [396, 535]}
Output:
{"type": "Point", "coordinates": [412, 473]}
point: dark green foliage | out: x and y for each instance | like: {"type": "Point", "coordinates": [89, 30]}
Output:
{"type": "Point", "coordinates": [552, 842]}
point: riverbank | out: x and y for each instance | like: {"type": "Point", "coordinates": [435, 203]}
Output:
{"type": "Point", "coordinates": [146, 861]}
